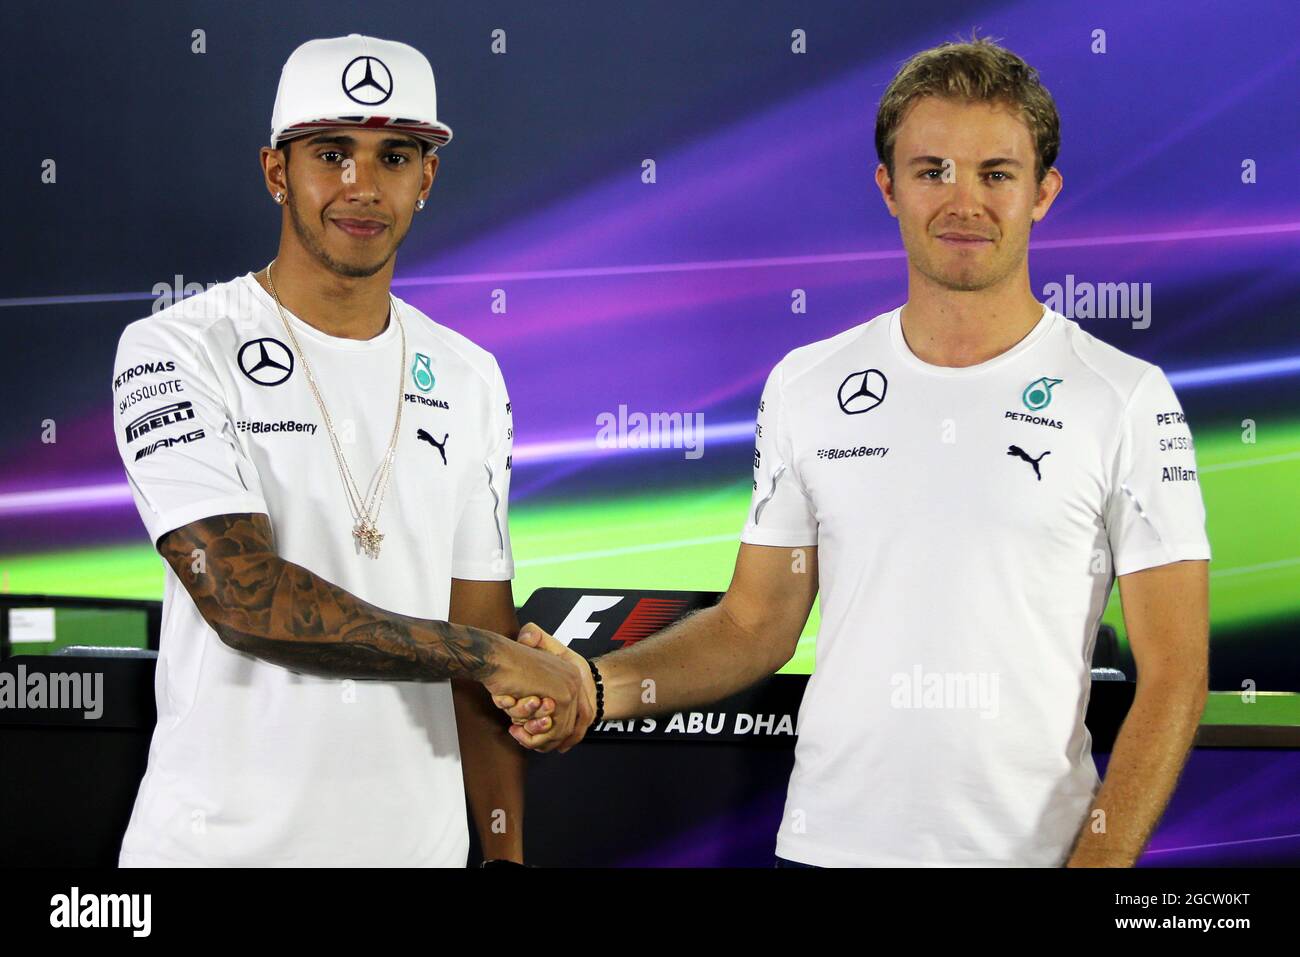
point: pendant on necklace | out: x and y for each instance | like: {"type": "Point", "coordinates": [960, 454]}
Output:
{"type": "Point", "coordinates": [368, 537]}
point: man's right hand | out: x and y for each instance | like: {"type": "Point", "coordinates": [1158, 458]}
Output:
{"type": "Point", "coordinates": [533, 724]}
{"type": "Point", "coordinates": [557, 681]}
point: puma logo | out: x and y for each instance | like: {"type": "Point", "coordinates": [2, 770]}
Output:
{"type": "Point", "coordinates": [424, 436]}
{"type": "Point", "coordinates": [1020, 453]}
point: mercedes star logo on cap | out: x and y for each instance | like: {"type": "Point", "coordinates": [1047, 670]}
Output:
{"type": "Point", "coordinates": [366, 80]}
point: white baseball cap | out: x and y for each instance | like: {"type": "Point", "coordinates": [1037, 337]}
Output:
{"type": "Point", "coordinates": [357, 81]}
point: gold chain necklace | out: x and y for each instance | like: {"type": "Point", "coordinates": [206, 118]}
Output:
{"type": "Point", "coordinates": [365, 511]}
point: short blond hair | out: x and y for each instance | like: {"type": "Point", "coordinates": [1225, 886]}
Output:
{"type": "Point", "coordinates": [975, 70]}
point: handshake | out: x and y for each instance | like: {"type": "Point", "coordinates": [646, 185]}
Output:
{"type": "Point", "coordinates": [549, 693]}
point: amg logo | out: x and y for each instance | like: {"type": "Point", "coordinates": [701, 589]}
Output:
{"type": "Point", "coordinates": [1176, 473]}
{"type": "Point", "coordinates": [159, 418]}
{"type": "Point", "coordinates": [168, 443]}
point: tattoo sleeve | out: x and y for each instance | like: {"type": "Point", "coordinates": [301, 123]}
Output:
{"type": "Point", "coordinates": [286, 614]}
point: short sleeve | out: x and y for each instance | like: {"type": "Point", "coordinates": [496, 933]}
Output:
{"type": "Point", "coordinates": [481, 551]}
{"type": "Point", "coordinates": [171, 418]}
{"type": "Point", "coordinates": [779, 511]}
{"type": "Point", "coordinates": [1154, 511]}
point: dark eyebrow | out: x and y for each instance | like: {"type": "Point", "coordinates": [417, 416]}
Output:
{"type": "Point", "coordinates": [987, 164]}
{"type": "Point", "coordinates": [342, 139]}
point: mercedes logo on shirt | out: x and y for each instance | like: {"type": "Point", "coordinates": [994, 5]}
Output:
{"type": "Point", "coordinates": [862, 391]}
{"type": "Point", "coordinates": [265, 361]}
{"type": "Point", "coordinates": [366, 80]}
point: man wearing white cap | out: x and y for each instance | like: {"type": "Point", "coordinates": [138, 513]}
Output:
{"type": "Point", "coordinates": [325, 471]}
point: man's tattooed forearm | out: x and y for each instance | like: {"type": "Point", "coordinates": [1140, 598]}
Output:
{"type": "Point", "coordinates": [286, 614]}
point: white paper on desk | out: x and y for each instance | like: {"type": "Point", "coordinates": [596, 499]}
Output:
{"type": "Point", "coordinates": [31, 625]}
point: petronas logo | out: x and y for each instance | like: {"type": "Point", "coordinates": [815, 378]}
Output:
{"type": "Point", "coordinates": [421, 373]}
{"type": "Point", "coordinates": [1038, 394]}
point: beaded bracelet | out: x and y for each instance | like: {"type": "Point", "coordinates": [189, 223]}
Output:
{"type": "Point", "coordinates": [600, 691]}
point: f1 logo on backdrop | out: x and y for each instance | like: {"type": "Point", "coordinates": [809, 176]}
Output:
{"type": "Point", "coordinates": [578, 626]}
{"type": "Point", "coordinates": [647, 616]}
{"type": "Point", "coordinates": [601, 621]}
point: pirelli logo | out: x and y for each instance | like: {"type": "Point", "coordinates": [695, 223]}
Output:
{"type": "Point", "coordinates": [159, 418]}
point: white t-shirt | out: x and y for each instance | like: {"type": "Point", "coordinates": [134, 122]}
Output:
{"type": "Point", "coordinates": [251, 763]}
{"type": "Point", "coordinates": [969, 525]}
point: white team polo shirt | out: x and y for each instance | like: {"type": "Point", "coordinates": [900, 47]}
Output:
{"type": "Point", "coordinates": [969, 524]}
{"type": "Point", "coordinates": [250, 763]}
